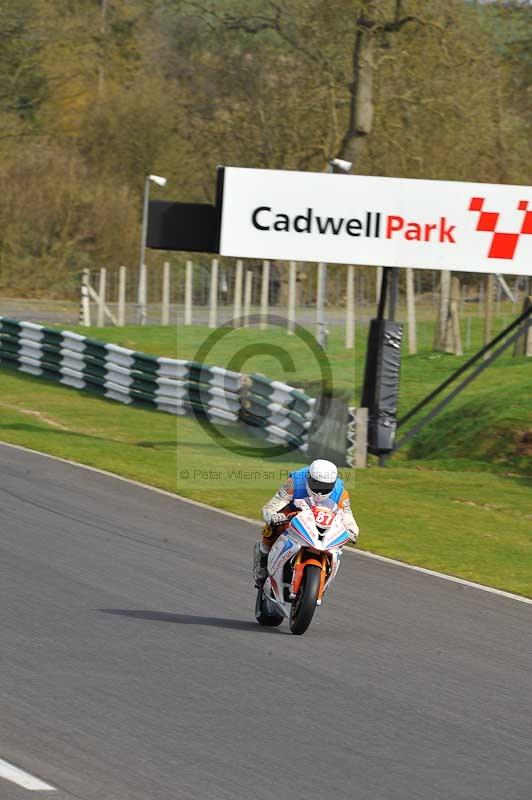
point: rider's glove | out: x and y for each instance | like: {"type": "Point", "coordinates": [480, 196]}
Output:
{"type": "Point", "coordinates": [277, 519]}
{"type": "Point", "coordinates": [353, 536]}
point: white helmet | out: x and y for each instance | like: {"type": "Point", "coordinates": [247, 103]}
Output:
{"type": "Point", "coordinates": [322, 476]}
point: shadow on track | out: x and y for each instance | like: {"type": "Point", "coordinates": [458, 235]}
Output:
{"type": "Point", "coordinates": [190, 619]}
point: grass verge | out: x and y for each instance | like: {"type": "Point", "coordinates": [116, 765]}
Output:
{"type": "Point", "coordinates": [477, 525]}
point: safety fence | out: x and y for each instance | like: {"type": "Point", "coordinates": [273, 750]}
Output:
{"type": "Point", "coordinates": [83, 363]}
{"type": "Point", "coordinates": [272, 410]}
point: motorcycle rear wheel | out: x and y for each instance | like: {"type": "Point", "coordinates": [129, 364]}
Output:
{"type": "Point", "coordinates": [305, 604]}
{"type": "Point", "coordinates": [265, 613]}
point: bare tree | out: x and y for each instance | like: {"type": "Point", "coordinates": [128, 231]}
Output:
{"type": "Point", "coordinates": [372, 24]}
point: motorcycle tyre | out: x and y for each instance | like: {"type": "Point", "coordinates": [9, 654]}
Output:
{"type": "Point", "coordinates": [263, 617]}
{"type": "Point", "coordinates": [305, 604]}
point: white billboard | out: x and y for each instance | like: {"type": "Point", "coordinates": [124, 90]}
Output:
{"type": "Point", "coordinates": [393, 222]}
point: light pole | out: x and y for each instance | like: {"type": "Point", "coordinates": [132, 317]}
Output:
{"type": "Point", "coordinates": [141, 284]}
{"type": "Point", "coordinates": [321, 325]}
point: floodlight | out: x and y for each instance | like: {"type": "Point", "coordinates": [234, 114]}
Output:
{"type": "Point", "coordinates": [158, 179]}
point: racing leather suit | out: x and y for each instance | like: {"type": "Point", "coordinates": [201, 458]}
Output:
{"type": "Point", "coordinates": [294, 488]}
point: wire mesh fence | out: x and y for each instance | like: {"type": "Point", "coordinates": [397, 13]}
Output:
{"type": "Point", "coordinates": [472, 299]}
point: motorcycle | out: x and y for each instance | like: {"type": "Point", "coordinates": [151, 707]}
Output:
{"type": "Point", "coordinates": [302, 564]}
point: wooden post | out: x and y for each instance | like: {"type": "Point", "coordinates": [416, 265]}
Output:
{"type": "Point", "coordinates": [85, 305]}
{"type": "Point", "coordinates": [264, 293]}
{"type": "Point", "coordinates": [165, 303]}
{"type": "Point", "coordinates": [350, 309]}
{"type": "Point", "coordinates": [122, 272]}
{"type": "Point", "coordinates": [247, 297]}
{"type": "Point", "coordinates": [292, 285]}
{"type": "Point", "coordinates": [361, 443]}
{"type": "Point", "coordinates": [101, 297]}
{"type": "Point", "coordinates": [213, 296]}
{"type": "Point", "coordinates": [188, 293]}
{"type": "Point", "coordinates": [411, 311]}
{"type": "Point", "coordinates": [237, 299]}
{"type": "Point", "coordinates": [488, 309]}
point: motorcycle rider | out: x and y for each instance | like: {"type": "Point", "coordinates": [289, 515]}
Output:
{"type": "Point", "coordinates": [318, 481]}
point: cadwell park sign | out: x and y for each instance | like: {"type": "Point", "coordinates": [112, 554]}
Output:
{"type": "Point", "coordinates": [394, 222]}
{"type": "Point", "coordinates": [354, 219]}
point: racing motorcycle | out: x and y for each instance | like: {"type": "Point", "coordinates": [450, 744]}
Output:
{"type": "Point", "coordinates": [302, 564]}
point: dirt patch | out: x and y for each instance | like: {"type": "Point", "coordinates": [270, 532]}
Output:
{"type": "Point", "coordinates": [31, 412]}
{"type": "Point", "coordinates": [523, 443]}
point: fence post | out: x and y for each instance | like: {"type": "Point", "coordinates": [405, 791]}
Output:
{"type": "Point", "coordinates": [350, 309]}
{"type": "Point", "coordinates": [122, 296]}
{"type": "Point", "coordinates": [101, 297]}
{"type": "Point", "coordinates": [411, 311]}
{"type": "Point", "coordinates": [264, 292]}
{"type": "Point", "coordinates": [165, 305]}
{"type": "Point", "coordinates": [292, 284]}
{"type": "Point", "coordinates": [188, 293]}
{"type": "Point", "coordinates": [85, 306]}
{"type": "Point", "coordinates": [213, 295]}
{"type": "Point", "coordinates": [247, 297]}
{"type": "Point", "coordinates": [237, 299]}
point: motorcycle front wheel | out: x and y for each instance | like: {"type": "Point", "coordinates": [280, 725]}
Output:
{"type": "Point", "coordinates": [265, 612]}
{"type": "Point", "coordinates": [305, 604]}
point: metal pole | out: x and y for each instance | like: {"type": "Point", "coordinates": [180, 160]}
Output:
{"type": "Point", "coordinates": [394, 292]}
{"type": "Point", "coordinates": [350, 309]}
{"type": "Point", "coordinates": [264, 292]}
{"type": "Point", "coordinates": [141, 287]}
{"type": "Point", "coordinates": [247, 297]}
{"type": "Point", "coordinates": [383, 292]}
{"type": "Point", "coordinates": [440, 335]}
{"type": "Point", "coordinates": [488, 308]}
{"type": "Point", "coordinates": [213, 295]}
{"type": "Point", "coordinates": [292, 282]}
{"type": "Point", "coordinates": [321, 333]}
{"type": "Point", "coordinates": [492, 356]}
{"type": "Point", "coordinates": [378, 283]}
{"type": "Point", "coordinates": [411, 311]}
{"type": "Point", "coordinates": [237, 299]}
{"type": "Point", "coordinates": [522, 318]}
{"type": "Point", "coordinates": [188, 293]}
{"type": "Point", "coordinates": [165, 304]}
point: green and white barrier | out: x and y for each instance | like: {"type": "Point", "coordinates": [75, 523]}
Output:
{"type": "Point", "coordinates": [271, 409]}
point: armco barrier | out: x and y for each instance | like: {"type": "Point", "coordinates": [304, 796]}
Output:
{"type": "Point", "coordinates": [270, 409]}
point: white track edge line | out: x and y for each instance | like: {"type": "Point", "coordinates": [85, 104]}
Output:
{"type": "Point", "coordinates": [365, 553]}
{"type": "Point", "coordinates": [443, 575]}
{"type": "Point", "coordinates": [22, 778]}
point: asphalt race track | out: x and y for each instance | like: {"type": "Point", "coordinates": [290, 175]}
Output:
{"type": "Point", "coordinates": [131, 667]}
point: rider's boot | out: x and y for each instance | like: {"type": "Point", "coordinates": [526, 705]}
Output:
{"type": "Point", "coordinates": [260, 564]}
